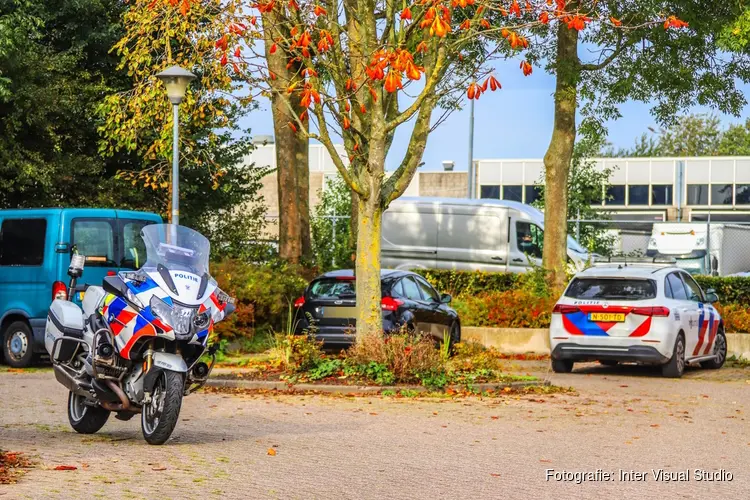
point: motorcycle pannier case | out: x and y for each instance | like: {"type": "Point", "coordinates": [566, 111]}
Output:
{"type": "Point", "coordinates": [65, 321]}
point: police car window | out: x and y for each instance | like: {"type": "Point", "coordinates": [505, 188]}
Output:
{"type": "Point", "coordinates": [668, 289]}
{"type": "Point", "coordinates": [693, 289]}
{"type": "Point", "coordinates": [678, 289]}
{"type": "Point", "coordinates": [611, 289]}
{"type": "Point", "coordinates": [331, 289]}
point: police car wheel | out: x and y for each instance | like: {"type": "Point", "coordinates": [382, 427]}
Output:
{"type": "Point", "coordinates": [18, 344]}
{"type": "Point", "coordinates": [562, 365]}
{"type": "Point", "coordinates": [676, 366]}
{"type": "Point", "coordinates": [720, 350]}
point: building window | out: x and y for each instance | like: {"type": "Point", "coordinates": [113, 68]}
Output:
{"type": "Point", "coordinates": [721, 194]}
{"type": "Point", "coordinates": [743, 194]}
{"type": "Point", "coordinates": [697, 194]}
{"type": "Point", "coordinates": [638, 195]}
{"type": "Point", "coordinates": [532, 193]}
{"type": "Point", "coordinates": [661, 194]}
{"type": "Point", "coordinates": [615, 195]}
{"type": "Point", "coordinates": [490, 192]}
{"type": "Point", "coordinates": [513, 193]}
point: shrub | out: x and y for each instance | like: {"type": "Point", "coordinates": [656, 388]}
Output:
{"type": "Point", "coordinates": [509, 309]}
{"type": "Point", "coordinates": [296, 353]}
{"type": "Point", "coordinates": [736, 318]}
{"type": "Point", "coordinates": [463, 283]}
{"type": "Point", "coordinates": [731, 289]}
{"type": "Point", "coordinates": [401, 354]}
{"type": "Point", "coordinates": [263, 293]}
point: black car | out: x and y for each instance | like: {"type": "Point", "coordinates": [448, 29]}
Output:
{"type": "Point", "coordinates": [328, 307]}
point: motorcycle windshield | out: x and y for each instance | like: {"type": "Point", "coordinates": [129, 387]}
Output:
{"type": "Point", "coordinates": [177, 248]}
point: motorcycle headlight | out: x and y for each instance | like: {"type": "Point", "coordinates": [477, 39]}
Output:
{"type": "Point", "coordinates": [178, 317]}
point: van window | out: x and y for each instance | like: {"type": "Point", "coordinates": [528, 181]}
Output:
{"type": "Point", "coordinates": [94, 238]}
{"type": "Point", "coordinates": [133, 247]}
{"type": "Point", "coordinates": [529, 239]}
{"type": "Point", "coordinates": [22, 242]}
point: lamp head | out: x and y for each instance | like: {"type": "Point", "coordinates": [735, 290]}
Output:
{"type": "Point", "coordinates": [176, 80]}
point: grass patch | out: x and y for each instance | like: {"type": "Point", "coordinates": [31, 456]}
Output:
{"type": "Point", "coordinates": [738, 362]}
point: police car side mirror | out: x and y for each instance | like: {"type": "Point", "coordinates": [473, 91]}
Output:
{"type": "Point", "coordinates": [711, 296]}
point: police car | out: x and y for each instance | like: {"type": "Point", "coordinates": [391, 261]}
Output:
{"type": "Point", "coordinates": [637, 312]}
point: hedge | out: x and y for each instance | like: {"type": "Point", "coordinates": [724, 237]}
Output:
{"type": "Point", "coordinates": [731, 290]}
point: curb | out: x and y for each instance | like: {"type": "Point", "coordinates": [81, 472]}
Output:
{"type": "Point", "coordinates": [262, 385]}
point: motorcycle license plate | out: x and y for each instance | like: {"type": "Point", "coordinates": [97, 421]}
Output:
{"type": "Point", "coordinates": [607, 317]}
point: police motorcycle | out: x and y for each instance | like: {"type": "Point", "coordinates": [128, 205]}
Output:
{"type": "Point", "coordinates": [135, 345]}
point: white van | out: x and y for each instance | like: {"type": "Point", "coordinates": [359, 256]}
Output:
{"type": "Point", "coordinates": [463, 234]}
{"type": "Point", "coordinates": [689, 242]}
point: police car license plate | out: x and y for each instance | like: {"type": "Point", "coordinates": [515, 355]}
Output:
{"type": "Point", "coordinates": [607, 317]}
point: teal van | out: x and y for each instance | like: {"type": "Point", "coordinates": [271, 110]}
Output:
{"type": "Point", "coordinates": [35, 249]}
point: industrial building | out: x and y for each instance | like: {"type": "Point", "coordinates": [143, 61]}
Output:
{"type": "Point", "coordinates": [647, 189]}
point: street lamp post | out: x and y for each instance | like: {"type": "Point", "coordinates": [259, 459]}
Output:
{"type": "Point", "coordinates": [176, 79]}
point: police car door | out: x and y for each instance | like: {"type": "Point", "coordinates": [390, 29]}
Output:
{"type": "Point", "coordinates": [685, 312]}
{"type": "Point", "coordinates": [707, 320]}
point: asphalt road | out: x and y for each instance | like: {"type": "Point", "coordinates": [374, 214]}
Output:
{"type": "Point", "coordinates": [623, 419]}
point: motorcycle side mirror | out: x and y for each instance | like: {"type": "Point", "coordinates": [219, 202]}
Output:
{"type": "Point", "coordinates": [229, 309]}
{"type": "Point", "coordinates": [77, 263]}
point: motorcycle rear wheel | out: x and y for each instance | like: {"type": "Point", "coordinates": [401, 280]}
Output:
{"type": "Point", "coordinates": [159, 416]}
{"type": "Point", "coordinates": [83, 418]}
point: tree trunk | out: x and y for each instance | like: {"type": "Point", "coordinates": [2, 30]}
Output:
{"type": "Point", "coordinates": [369, 219]}
{"type": "Point", "coordinates": [292, 168]}
{"type": "Point", "coordinates": [558, 157]}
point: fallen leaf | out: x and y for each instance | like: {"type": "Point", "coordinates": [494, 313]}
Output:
{"type": "Point", "coordinates": [494, 475]}
{"type": "Point", "coordinates": [158, 468]}
{"type": "Point", "coordinates": [624, 385]}
{"type": "Point", "coordinates": [373, 413]}
{"type": "Point", "coordinates": [272, 452]}
{"type": "Point", "coordinates": [654, 425]}
{"type": "Point", "coordinates": [434, 413]}
{"type": "Point", "coordinates": [494, 417]}
{"type": "Point", "coordinates": [544, 461]}
{"type": "Point", "coordinates": [66, 467]}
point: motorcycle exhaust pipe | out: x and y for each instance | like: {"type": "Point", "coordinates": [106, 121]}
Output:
{"type": "Point", "coordinates": [124, 404]}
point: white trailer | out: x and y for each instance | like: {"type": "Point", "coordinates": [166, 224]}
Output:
{"type": "Point", "coordinates": [724, 250]}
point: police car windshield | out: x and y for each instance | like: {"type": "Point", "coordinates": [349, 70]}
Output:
{"type": "Point", "coordinates": [611, 289]}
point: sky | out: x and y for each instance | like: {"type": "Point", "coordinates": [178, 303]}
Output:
{"type": "Point", "coordinates": [514, 122]}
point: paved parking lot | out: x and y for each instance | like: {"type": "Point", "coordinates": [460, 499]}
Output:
{"type": "Point", "coordinates": [622, 419]}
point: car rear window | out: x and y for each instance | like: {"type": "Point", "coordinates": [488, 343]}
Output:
{"type": "Point", "coordinates": [332, 289]}
{"type": "Point", "coordinates": [611, 289]}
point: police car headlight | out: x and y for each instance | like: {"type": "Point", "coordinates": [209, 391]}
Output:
{"type": "Point", "coordinates": [180, 318]}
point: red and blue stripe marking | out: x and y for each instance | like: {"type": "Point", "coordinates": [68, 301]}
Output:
{"type": "Point", "coordinates": [578, 323]}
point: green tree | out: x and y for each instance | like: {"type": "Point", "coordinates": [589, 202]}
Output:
{"type": "Point", "coordinates": [685, 135]}
{"type": "Point", "coordinates": [735, 140]}
{"type": "Point", "coordinates": [331, 234]}
{"type": "Point", "coordinates": [586, 187]}
{"type": "Point", "coordinates": [673, 68]}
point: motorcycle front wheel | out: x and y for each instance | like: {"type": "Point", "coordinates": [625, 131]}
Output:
{"type": "Point", "coordinates": [159, 416]}
{"type": "Point", "coordinates": [84, 418]}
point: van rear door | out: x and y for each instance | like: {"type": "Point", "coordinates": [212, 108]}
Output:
{"type": "Point", "coordinates": [26, 263]}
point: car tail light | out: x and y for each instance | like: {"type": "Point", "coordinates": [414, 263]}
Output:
{"type": "Point", "coordinates": [651, 311]}
{"type": "Point", "coordinates": [390, 304]}
{"type": "Point", "coordinates": [59, 290]}
{"type": "Point", "coordinates": [299, 302]}
{"type": "Point", "coordinates": [565, 309]}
